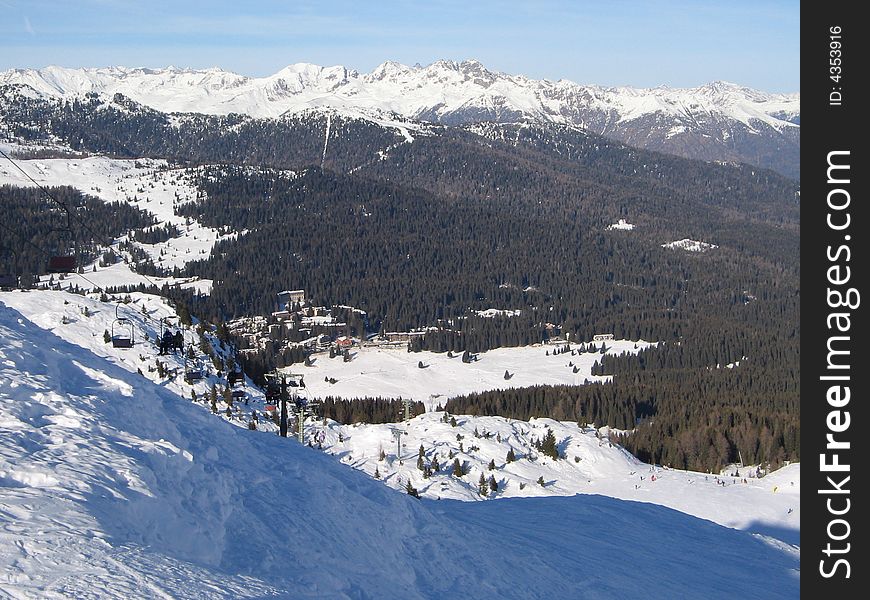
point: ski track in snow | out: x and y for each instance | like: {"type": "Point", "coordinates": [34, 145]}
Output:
{"type": "Point", "coordinates": [326, 139]}
{"type": "Point", "coordinates": [114, 486]}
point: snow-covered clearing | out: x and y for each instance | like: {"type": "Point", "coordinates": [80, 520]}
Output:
{"type": "Point", "coordinates": [690, 245]}
{"type": "Point", "coordinates": [114, 486]}
{"type": "Point", "coordinates": [622, 224]}
{"type": "Point", "coordinates": [395, 373]}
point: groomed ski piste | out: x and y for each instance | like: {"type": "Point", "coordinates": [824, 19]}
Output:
{"type": "Point", "coordinates": [114, 484]}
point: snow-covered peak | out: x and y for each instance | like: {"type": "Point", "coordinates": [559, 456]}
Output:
{"type": "Point", "coordinates": [445, 89]}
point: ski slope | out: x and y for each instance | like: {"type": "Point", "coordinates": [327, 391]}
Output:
{"type": "Point", "coordinates": [114, 486]}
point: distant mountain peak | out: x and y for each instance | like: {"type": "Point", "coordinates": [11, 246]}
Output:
{"type": "Point", "coordinates": [713, 121]}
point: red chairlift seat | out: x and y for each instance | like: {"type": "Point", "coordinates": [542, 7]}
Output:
{"type": "Point", "coordinates": [61, 264]}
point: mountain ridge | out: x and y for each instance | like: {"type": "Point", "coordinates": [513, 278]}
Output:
{"type": "Point", "coordinates": [716, 121]}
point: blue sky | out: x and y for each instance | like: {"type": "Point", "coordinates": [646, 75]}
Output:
{"type": "Point", "coordinates": [616, 42]}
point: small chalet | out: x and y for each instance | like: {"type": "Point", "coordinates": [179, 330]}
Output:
{"type": "Point", "coordinates": [288, 298]}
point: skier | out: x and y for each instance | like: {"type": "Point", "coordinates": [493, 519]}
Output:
{"type": "Point", "coordinates": [166, 342]}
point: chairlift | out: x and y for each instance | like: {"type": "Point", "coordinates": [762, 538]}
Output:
{"type": "Point", "coordinates": [192, 369]}
{"type": "Point", "coordinates": [62, 264]}
{"type": "Point", "coordinates": [67, 260]}
{"type": "Point", "coordinates": [122, 331]}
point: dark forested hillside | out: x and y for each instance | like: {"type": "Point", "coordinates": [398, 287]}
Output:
{"type": "Point", "coordinates": [126, 129]}
{"type": "Point", "coordinates": [424, 233]}
{"type": "Point", "coordinates": [35, 227]}
{"type": "Point", "coordinates": [683, 407]}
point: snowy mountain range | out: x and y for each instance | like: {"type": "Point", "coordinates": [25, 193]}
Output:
{"type": "Point", "coordinates": [718, 121]}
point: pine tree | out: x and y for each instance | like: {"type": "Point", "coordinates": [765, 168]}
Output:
{"type": "Point", "coordinates": [493, 484]}
{"type": "Point", "coordinates": [106, 337]}
{"type": "Point", "coordinates": [377, 473]}
{"type": "Point", "coordinates": [541, 481]}
{"type": "Point", "coordinates": [548, 445]}
{"type": "Point", "coordinates": [435, 465]}
{"type": "Point", "coordinates": [213, 398]}
{"type": "Point", "coordinates": [412, 491]}
{"type": "Point", "coordinates": [511, 457]}
{"type": "Point", "coordinates": [492, 465]}
{"type": "Point", "coordinates": [457, 468]}
{"type": "Point", "coordinates": [482, 486]}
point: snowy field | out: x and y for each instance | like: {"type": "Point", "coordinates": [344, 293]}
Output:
{"type": "Point", "coordinates": [112, 485]}
{"type": "Point", "coordinates": [395, 373]}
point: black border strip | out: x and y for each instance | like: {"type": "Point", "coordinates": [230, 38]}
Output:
{"type": "Point", "coordinates": [834, 229]}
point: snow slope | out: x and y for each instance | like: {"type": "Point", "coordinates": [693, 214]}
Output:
{"type": "Point", "coordinates": [590, 464]}
{"type": "Point", "coordinates": [112, 486]}
{"type": "Point", "coordinates": [442, 91]}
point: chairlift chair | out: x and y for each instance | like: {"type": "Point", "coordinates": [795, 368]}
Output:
{"type": "Point", "coordinates": [192, 369]}
{"type": "Point", "coordinates": [122, 331]}
{"type": "Point", "coordinates": [62, 264]}
{"type": "Point", "coordinates": [66, 260]}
